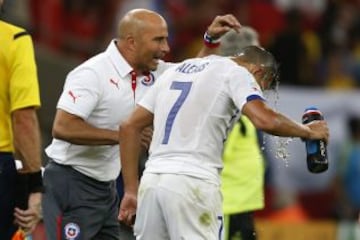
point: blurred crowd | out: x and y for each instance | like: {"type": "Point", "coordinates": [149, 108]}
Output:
{"type": "Point", "coordinates": [316, 42]}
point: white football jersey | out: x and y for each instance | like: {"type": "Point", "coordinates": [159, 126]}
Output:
{"type": "Point", "coordinates": [194, 104]}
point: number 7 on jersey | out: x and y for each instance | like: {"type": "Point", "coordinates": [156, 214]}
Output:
{"type": "Point", "coordinates": [184, 87]}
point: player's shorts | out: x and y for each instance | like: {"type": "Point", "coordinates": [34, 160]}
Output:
{"type": "Point", "coordinates": [174, 206]}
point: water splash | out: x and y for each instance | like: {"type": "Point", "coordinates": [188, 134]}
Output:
{"type": "Point", "coordinates": [280, 146]}
{"type": "Point", "coordinates": [272, 97]}
{"type": "Point", "coordinates": [281, 151]}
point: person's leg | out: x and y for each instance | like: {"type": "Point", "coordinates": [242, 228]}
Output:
{"type": "Point", "coordinates": [242, 225]}
{"type": "Point", "coordinates": [120, 186]}
{"type": "Point", "coordinates": [111, 228]}
{"type": "Point", "coordinates": [149, 223]}
{"type": "Point", "coordinates": [126, 232]}
{"type": "Point", "coordinates": [76, 206]}
{"type": "Point", "coordinates": [54, 199]}
{"type": "Point", "coordinates": [227, 227]}
{"type": "Point", "coordinates": [191, 207]}
{"type": "Point", "coordinates": [7, 195]}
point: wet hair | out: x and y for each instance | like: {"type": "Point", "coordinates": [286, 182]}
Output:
{"type": "Point", "coordinates": [260, 57]}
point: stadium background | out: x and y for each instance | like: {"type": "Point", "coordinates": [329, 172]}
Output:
{"type": "Point", "coordinates": [316, 42]}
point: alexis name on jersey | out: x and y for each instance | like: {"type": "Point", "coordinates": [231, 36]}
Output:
{"type": "Point", "coordinates": [191, 68]}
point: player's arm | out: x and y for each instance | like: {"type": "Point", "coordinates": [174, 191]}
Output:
{"type": "Point", "coordinates": [24, 96]}
{"type": "Point", "coordinates": [24, 99]}
{"type": "Point", "coordinates": [219, 26]}
{"type": "Point", "coordinates": [267, 120]}
{"type": "Point", "coordinates": [27, 143]}
{"type": "Point", "coordinates": [130, 132]}
{"type": "Point", "coordinates": [74, 129]}
{"type": "Point", "coordinates": [27, 137]}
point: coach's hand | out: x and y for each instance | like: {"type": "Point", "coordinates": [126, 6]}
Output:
{"type": "Point", "coordinates": [128, 209]}
{"type": "Point", "coordinates": [222, 24]}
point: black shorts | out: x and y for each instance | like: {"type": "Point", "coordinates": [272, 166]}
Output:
{"type": "Point", "coordinates": [7, 195]}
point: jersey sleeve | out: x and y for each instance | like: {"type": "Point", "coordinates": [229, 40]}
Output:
{"type": "Point", "coordinates": [243, 88]}
{"type": "Point", "coordinates": [81, 93]}
{"type": "Point", "coordinates": [163, 66]}
{"type": "Point", "coordinates": [24, 85]}
{"type": "Point", "coordinates": [149, 99]}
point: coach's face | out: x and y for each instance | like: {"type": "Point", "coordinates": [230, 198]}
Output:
{"type": "Point", "coordinates": [152, 44]}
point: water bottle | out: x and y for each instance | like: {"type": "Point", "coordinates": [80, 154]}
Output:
{"type": "Point", "coordinates": [317, 160]}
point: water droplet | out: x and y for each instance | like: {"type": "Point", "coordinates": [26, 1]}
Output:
{"type": "Point", "coordinates": [281, 151]}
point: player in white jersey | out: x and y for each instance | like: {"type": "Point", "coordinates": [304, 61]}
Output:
{"type": "Point", "coordinates": [97, 96]}
{"type": "Point", "coordinates": [192, 107]}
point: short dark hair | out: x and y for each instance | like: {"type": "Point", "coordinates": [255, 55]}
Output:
{"type": "Point", "coordinates": [259, 56]}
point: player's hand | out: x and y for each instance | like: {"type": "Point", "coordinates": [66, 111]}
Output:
{"type": "Point", "coordinates": [29, 218]}
{"type": "Point", "coordinates": [223, 24]}
{"type": "Point", "coordinates": [128, 209]}
{"type": "Point", "coordinates": [146, 136]}
{"type": "Point", "coordinates": [319, 130]}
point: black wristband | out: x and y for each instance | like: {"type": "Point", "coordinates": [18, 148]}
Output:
{"type": "Point", "coordinates": [35, 182]}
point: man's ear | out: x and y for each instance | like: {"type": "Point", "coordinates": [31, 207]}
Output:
{"type": "Point", "coordinates": [258, 72]}
{"type": "Point", "coordinates": [131, 42]}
